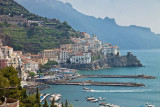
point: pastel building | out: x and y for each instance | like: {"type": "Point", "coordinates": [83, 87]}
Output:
{"type": "Point", "coordinates": [81, 58]}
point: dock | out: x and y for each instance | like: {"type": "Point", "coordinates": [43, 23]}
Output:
{"type": "Point", "coordinates": [119, 76]}
{"type": "Point", "coordinates": [89, 82]}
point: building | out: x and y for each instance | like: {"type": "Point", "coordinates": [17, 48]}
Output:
{"type": "Point", "coordinates": [3, 63]}
{"type": "Point", "coordinates": [64, 56]}
{"type": "Point", "coordinates": [51, 54]}
{"type": "Point", "coordinates": [85, 35]}
{"type": "Point", "coordinates": [6, 51]}
{"type": "Point", "coordinates": [81, 58]}
{"type": "Point", "coordinates": [66, 47]}
{"type": "Point", "coordinates": [109, 49]}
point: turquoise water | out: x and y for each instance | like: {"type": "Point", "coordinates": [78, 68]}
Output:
{"type": "Point", "coordinates": [123, 96]}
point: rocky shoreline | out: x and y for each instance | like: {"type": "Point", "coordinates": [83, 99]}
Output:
{"type": "Point", "coordinates": [128, 60]}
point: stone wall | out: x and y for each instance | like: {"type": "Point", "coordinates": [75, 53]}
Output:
{"type": "Point", "coordinates": [110, 61]}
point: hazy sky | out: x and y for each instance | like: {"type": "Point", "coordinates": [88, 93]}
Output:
{"type": "Point", "coordinates": [126, 12]}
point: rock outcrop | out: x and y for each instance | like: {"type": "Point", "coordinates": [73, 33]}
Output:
{"type": "Point", "coordinates": [110, 61]}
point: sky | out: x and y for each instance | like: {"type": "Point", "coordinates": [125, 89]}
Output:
{"type": "Point", "coordinates": [144, 13]}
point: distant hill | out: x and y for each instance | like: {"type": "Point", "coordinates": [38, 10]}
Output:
{"type": "Point", "coordinates": [33, 38]}
{"type": "Point", "coordinates": [126, 37]}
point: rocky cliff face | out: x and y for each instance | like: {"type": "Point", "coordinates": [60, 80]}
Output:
{"type": "Point", "coordinates": [110, 61]}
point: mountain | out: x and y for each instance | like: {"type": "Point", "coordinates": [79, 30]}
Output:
{"type": "Point", "coordinates": [32, 38]}
{"type": "Point", "coordinates": [126, 37]}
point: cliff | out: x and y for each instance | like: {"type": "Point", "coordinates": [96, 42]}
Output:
{"type": "Point", "coordinates": [110, 61]}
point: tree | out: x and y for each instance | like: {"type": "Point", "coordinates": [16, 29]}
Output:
{"type": "Point", "coordinates": [45, 104]}
{"type": "Point", "coordinates": [32, 74]}
{"type": "Point", "coordinates": [62, 104]}
{"type": "Point", "coordinates": [66, 104]}
{"type": "Point", "coordinates": [38, 98]}
{"type": "Point", "coordinates": [11, 75]}
{"type": "Point", "coordinates": [53, 103]}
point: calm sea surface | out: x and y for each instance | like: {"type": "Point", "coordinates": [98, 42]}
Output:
{"type": "Point", "coordinates": [123, 96]}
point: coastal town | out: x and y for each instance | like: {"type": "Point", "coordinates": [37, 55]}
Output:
{"type": "Point", "coordinates": [83, 50]}
{"type": "Point", "coordinates": [59, 65]}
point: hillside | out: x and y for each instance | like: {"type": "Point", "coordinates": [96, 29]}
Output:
{"type": "Point", "coordinates": [126, 37]}
{"type": "Point", "coordinates": [33, 38]}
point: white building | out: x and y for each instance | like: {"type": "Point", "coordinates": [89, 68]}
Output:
{"type": "Point", "coordinates": [110, 50]}
{"type": "Point", "coordinates": [64, 56]}
{"type": "Point", "coordinates": [81, 58]}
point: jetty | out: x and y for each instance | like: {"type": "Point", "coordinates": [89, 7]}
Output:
{"type": "Point", "coordinates": [89, 82]}
{"type": "Point", "coordinates": [119, 76]}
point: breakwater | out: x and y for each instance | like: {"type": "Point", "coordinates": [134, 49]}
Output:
{"type": "Point", "coordinates": [118, 76]}
{"type": "Point", "coordinates": [89, 82]}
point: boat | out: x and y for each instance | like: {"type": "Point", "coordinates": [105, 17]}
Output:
{"type": "Point", "coordinates": [101, 99]}
{"type": "Point", "coordinates": [90, 98]}
{"type": "Point", "coordinates": [94, 100]}
{"type": "Point", "coordinates": [87, 89]}
{"type": "Point", "coordinates": [44, 97]}
{"type": "Point", "coordinates": [151, 106]}
{"type": "Point", "coordinates": [56, 97]}
{"type": "Point", "coordinates": [103, 104]}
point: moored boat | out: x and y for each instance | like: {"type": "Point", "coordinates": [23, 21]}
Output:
{"type": "Point", "coordinates": [90, 98]}
{"type": "Point", "coordinates": [101, 99]}
{"type": "Point", "coordinates": [56, 97]}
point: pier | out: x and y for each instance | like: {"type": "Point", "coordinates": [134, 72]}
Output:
{"type": "Point", "coordinates": [89, 82]}
{"type": "Point", "coordinates": [119, 76]}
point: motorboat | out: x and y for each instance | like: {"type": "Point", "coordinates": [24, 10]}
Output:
{"type": "Point", "coordinates": [94, 100]}
{"type": "Point", "coordinates": [56, 97]}
{"type": "Point", "coordinates": [151, 106]}
{"type": "Point", "coordinates": [90, 98]}
{"type": "Point", "coordinates": [87, 89]}
{"type": "Point", "coordinates": [101, 99]}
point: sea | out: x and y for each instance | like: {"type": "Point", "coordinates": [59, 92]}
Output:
{"type": "Point", "coordinates": [118, 95]}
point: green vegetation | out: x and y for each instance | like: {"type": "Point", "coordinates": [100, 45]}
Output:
{"type": "Point", "coordinates": [45, 104]}
{"type": "Point", "coordinates": [12, 7]}
{"type": "Point", "coordinates": [34, 38]}
{"type": "Point", "coordinates": [10, 88]}
{"type": "Point", "coordinates": [32, 74]}
{"type": "Point", "coordinates": [53, 103]}
{"type": "Point", "coordinates": [95, 57]}
{"type": "Point", "coordinates": [48, 65]}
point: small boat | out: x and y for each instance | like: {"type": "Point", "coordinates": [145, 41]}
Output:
{"type": "Point", "coordinates": [94, 100]}
{"type": "Point", "coordinates": [103, 104]}
{"type": "Point", "coordinates": [90, 98]}
{"type": "Point", "coordinates": [46, 95]}
{"type": "Point", "coordinates": [56, 97]}
{"type": "Point", "coordinates": [87, 89]}
{"type": "Point", "coordinates": [151, 106]}
{"type": "Point", "coordinates": [101, 99]}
